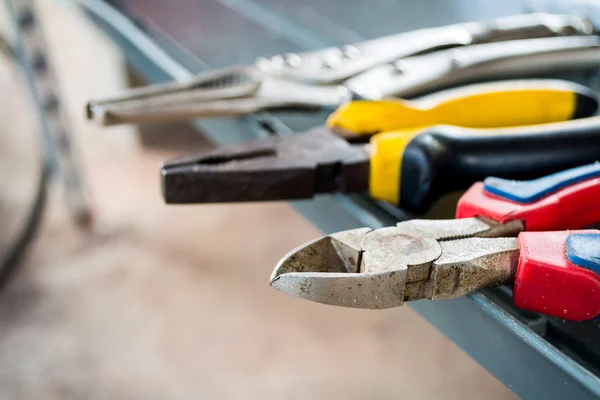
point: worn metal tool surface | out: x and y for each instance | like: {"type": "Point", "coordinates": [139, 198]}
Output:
{"type": "Point", "coordinates": [383, 268]}
{"type": "Point", "coordinates": [330, 77]}
{"type": "Point", "coordinates": [555, 273]}
{"type": "Point", "coordinates": [274, 168]}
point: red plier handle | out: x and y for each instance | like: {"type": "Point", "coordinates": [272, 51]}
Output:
{"type": "Point", "coordinates": [566, 200]}
{"type": "Point", "coordinates": [558, 272]}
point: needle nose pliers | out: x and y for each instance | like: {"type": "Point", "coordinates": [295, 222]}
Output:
{"type": "Point", "coordinates": [403, 65]}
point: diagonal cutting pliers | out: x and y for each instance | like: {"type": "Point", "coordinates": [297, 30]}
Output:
{"type": "Point", "coordinates": [553, 272]}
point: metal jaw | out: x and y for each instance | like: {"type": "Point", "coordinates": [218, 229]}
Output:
{"type": "Point", "coordinates": [364, 268]}
{"type": "Point", "coordinates": [276, 168]}
{"type": "Point", "coordinates": [227, 92]}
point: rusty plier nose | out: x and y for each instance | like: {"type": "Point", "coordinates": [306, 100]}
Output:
{"type": "Point", "coordinates": [276, 168]}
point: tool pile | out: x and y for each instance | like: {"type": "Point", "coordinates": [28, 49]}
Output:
{"type": "Point", "coordinates": [415, 116]}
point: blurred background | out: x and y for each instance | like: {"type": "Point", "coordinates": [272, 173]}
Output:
{"type": "Point", "coordinates": [159, 302]}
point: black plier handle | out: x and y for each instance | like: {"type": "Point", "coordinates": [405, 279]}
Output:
{"type": "Point", "coordinates": [443, 159]}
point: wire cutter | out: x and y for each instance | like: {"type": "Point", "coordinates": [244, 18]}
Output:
{"type": "Point", "coordinates": [406, 64]}
{"type": "Point", "coordinates": [409, 168]}
{"type": "Point", "coordinates": [553, 272]}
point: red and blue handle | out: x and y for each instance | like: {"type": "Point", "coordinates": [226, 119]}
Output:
{"type": "Point", "coordinates": [566, 200]}
{"type": "Point", "coordinates": [558, 272]}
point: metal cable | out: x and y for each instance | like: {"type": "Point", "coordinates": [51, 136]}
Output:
{"type": "Point", "coordinates": [11, 260]}
{"type": "Point", "coordinates": [29, 51]}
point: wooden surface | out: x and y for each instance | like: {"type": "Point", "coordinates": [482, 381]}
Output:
{"type": "Point", "coordinates": [163, 302]}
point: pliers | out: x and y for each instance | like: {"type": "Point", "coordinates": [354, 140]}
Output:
{"type": "Point", "coordinates": [407, 64]}
{"type": "Point", "coordinates": [502, 234]}
{"type": "Point", "coordinates": [412, 167]}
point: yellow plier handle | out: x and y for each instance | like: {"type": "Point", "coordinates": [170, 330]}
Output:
{"type": "Point", "coordinates": [486, 105]}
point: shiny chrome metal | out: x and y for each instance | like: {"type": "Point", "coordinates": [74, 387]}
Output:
{"type": "Point", "coordinates": [371, 53]}
{"type": "Point", "coordinates": [235, 91]}
{"type": "Point", "coordinates": [418, 75]}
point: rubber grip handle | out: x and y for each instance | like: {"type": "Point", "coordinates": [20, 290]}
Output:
{"type": "Point", "coordinates": [484, 105]}
{"type": "Point", "coordinates": [548, 282]}
{"type": "Point", "coordinates": [443, 159]}
{"type": "Point", "coordinates": [535, 189]}
{"type": "Point", "coordinates": [571, 204]}
{"type": "Point", "coordinates": [583, 249]}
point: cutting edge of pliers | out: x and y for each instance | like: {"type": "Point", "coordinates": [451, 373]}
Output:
{"type": "Point", "coordinates": [416, 259]}
{"type": "Point", "coordinates": [554, 272]}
